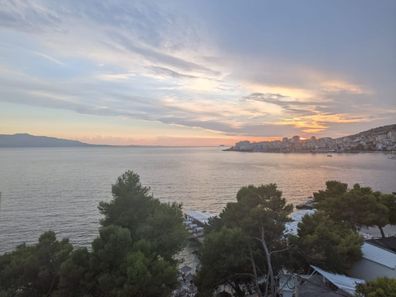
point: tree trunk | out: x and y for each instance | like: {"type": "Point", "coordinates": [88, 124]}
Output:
{"type": "Point", "coordinates": [382, 231]}
{"type": "Point", "coordinates": [255, 273]}
{"type": "Point", "coordinates": [266, 285]}
{"type": "Point", "coordinates": [239, 292]}
{"type": "Point", "coordinates": [268, 256]}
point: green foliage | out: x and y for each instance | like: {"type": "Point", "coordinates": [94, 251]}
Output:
{"type": "Point", "coordinates": [326, 243]}
{"type": "Point", "coordinates": [132, 256]}
{"type": "Point", "coordinates": [389, 200]}
{"type": "Point", "coordinates": [257, 207]}
{"type": "Point", "coordinates": [33, 270]}
{"type": "Point", "coordinates": [130, 205]}
{"type": "Point", "coordinates": [380, 287]}
{"type": "Point", "coordinates": [121, 267]}
{"type": "Point", "coordinates": [225, 257]}
{"type": "Point", "coordinates": [329, 238]}
{"type": "Point", "coordinates": [75, 276]}
{"type": "Point", "coordinates": [134, 208]}
{"type": "Point", "coordinates": [359, 206]}
{"type": "Point", "coordinates": [231, 240]}
{"type": "Point", "coordinates": [149, 275]}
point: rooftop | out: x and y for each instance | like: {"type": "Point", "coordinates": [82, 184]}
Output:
{"type": "Point", "coordinates": [379, 255]}
{"type": "Point", "coordinates": [388, 243]}
{"type": "Point", "coordinates": [343, 282]}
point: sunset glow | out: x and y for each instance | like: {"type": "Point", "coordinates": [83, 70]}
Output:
{"type": "Point", "coordinates": [181, 73]}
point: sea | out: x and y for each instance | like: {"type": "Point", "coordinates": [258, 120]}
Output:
{"type": "Point", "coordinates": [59, 189]}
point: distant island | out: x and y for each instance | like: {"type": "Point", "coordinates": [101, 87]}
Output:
{"type": "Point", "coordinates": [377, 139]}
{"type": "Point", "coordinates": [27, 140]}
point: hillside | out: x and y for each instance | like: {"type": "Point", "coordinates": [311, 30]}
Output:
{"type": "Point", "coordinates": [27, 140]}
{"type": "Point", "coordinates": [377, 139]}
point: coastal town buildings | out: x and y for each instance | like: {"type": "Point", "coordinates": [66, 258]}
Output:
{"type": "Point", "coordinates": [378, 139]}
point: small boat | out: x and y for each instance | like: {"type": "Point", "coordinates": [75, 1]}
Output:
{"type": "Point", "coordinates": [329, 156]}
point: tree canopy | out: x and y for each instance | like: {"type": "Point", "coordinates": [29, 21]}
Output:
{"type": "Point", "coordinates": [239, 243]}
{"type": "Point", "coordinates": [134, 208]}
{"type": "Point", "coordinates": [33, 271]}
{"type": "Point", "coordinates": [331, 245]}
{"type": "Point", "coordinates": [380, 287]}
{"type": "Point", "coordinates": [358, 206]}
{"type": "Point", "coordinates": [132, 256]}
{"type": "Point", "coordinates": [224, 259]}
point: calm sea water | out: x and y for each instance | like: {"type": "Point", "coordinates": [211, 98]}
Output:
{"type": "Point", "coordinates": [60, 188]}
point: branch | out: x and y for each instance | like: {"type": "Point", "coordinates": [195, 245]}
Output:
{"type": "Point", "coordinates": [279, 251]}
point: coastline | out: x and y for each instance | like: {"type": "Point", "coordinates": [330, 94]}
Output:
{"type": "Point", "coordinates": [312, 152]}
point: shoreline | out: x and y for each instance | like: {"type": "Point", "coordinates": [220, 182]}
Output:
{"type": "Point", "coordinates": [311, 152]}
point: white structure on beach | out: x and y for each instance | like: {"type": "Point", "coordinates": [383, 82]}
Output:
{"type": "Point", "coordinates": [378, 255]}
{"type": "Point", "coordinates": [318, 283]}
{"type": "Point", "coordinates": [195, 222]}
{"type": "Point", "coordinates": [376, 262]}
{"type": "Point", "coordinates": [296, 217]}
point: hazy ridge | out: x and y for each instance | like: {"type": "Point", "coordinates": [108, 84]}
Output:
{"type": "Point", "coordinates": [27, 140]}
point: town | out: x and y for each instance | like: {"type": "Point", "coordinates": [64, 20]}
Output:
{"type": "Point", "coordinates": [378, 139]}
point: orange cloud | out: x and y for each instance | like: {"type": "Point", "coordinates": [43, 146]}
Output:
{"type": "Point", "coordinates": [298, 93]}
{"type": "Point", "coordinates": [342, 86]}
{"type": "Point", "coordinates": [319, 122]}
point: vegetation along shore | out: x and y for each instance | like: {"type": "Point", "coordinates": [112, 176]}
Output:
{"type": "Point", "coordinates": [246, 250]}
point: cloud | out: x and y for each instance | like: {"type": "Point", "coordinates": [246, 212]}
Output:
{"type": "Point", "coordinates": [257, 114]}
{"type": "Point", "coordinates": [174, 64]}
{"type": "Point", "coordinates": [314, 116]}
{"type": "Point", "coordinates": [169, 72]}
{"type": "Point", "coordinates": [28, 16]}
{"type": "Point", "coordinates": [161, 58]}
{"type": "Point", "coordinates": [287, 103]}
{"type": "Point", "coordinates": [49, 58]}
{"type": "Point", "coordinates": [319, 122]}
{"type": "Point", "coordinates": [135, 30]}
{"type": "Point", "coordinates": [228, 118]}
{"type": "Point", "coordinates": [338, 86]}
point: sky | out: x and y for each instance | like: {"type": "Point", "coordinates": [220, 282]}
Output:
{"type": "Point", "coordinates": [196, 72]}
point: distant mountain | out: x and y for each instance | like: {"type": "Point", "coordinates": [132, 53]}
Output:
{"type": "Point", "coordinates": [27, 140]}
{"type": "Point", "coordinates": [377, 139]}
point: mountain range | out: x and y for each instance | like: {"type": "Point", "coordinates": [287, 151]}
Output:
{"type": "Point", "coordinates": [27, 140]}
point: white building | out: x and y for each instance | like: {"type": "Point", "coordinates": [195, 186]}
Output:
{"type": "Point", "coordinates": [319, 283]}
{"type": "Point", "coordinates": [377, 261]}
{"type": "Point", "coordinates": [195, 222]}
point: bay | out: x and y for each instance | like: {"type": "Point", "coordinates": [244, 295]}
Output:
{"type": "Point", "coordinates": [59, 188]}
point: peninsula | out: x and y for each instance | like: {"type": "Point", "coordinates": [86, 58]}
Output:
{"type": "Point", "coordinates": [377, 139]}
